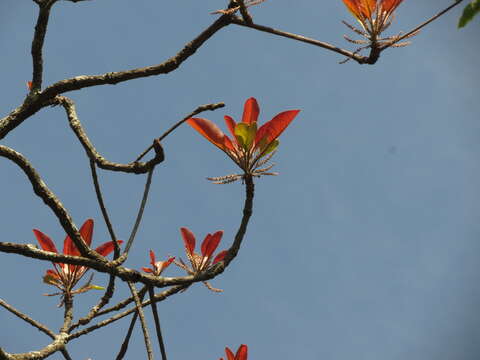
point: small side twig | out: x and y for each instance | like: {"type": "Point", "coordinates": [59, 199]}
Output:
{"type": "Point", "coordinates": [417, 29]}
{"type": "Point", "coordinates": [197, 111]}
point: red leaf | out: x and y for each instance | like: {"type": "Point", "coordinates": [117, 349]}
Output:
{"type": "Point", "coordinates": [209, 130]}
{"type": "Point", "coordinates": [220, 256]}
{"type": "Point", "coordinates": [45, 242]}
{"type": "Point", "coordinates": [250, 111]}
{"type": "Point", "coordinates": [276, 126]}
{"type": "Point", "coordinates": [210, 243]}
{"type": "Point", "coordinates": [229, 353]}
{"type": "Point", "coordinates": [87, 231]}
{"type": "Point", "coordinates": [107, 247]}
{"type": "Point", "coordinates": [52, 273]}
{"type": "Point", "coordinates": [167, 263]}
{"type": "Point", "coordinates": [242, 352]}
{"type": "Point", "coordinates": [29, 85]}
{"type": "Point", "coordinates": [152, 258]}
{"type": "Point", "coordinates": [147, 270]}
{"type": "Point", "coordinates": [188, 240]}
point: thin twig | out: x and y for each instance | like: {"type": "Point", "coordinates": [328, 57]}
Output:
{"type": "Point", "coordinates": [126, 341]}
{"type": "Point", "coordinates": [141, 315]}
{"type": "Point", "coordinates": [158, 297]}
{"type": "Point", "coordinates": [28, 319]}
{"type": "Point", "coordinates": [106, 218]}
{"type": "Point", "coordinates": [416, 29]}
{"type": "Point", "coordinates": [358, 58]}
{"type": "Point", "coordinates": [140, 213]}
{"type": "Point", "coordinates": [157, 323]}
{"type": "Point", "coordinates": [198, 110]}
{"type": "Point", "coordinates": [65, 354]}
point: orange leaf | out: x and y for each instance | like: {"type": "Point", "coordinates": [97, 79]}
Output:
{"type": "Point", "coordinates": [272, 129]}
{"type": "Point", "coordinates": [209, 130]}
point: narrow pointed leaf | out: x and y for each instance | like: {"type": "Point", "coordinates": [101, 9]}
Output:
{"type": "Point", "coordinates": [45, 242]}
{"type": "Point", "coordinates": [205, 242]}
{"type": "Point", "coordinates": [209, 130]}
{"type": "Point", "coordinates": [250, 111]}
{"type": "Point", "coordinates": [152, 258]}
{"type": "Point", "coordinates": [147, 270]}
{"type": "Point", "coordinates": [229, 353]}
{"type": "Point", "coordinates": [188, 240]}
{"type": "Point", "coordinates": [230, 124]}
{"type": "Point", "coordinates": [87, 231]}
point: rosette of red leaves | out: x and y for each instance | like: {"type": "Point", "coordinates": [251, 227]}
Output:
{"type": "Point", "coordinates": [201, 262]}
{"type": "Point", "coordinates": [251, 147]}
{"type": "Point", "coordinates": [242, 353]}
{"type": "Point", "coordinates": [66, 276]}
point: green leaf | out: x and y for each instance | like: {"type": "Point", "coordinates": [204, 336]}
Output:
{"type": "Point", "coordinates": [271, 147]}
{"type": "Point", "coordinates": [469, 13]}
{"type": "Point", "coordinates": [245, 134]}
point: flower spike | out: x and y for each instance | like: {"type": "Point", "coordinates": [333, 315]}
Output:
{"type": "Point", "coordinates": [249, 144]}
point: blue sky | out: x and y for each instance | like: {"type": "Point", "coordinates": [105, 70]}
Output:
{"type": "Point", "coordinates": [365, 247]}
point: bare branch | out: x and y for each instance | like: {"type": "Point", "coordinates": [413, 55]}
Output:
{"type": "Point", "coordinates": [28, 319]}
{"type": "Point", "coordinates": [57, 345]}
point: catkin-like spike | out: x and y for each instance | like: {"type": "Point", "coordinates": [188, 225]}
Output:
{"type": "Point", "coordinates": [358, 42]}
{"type": "Point", "coordinates": [353, 28]}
